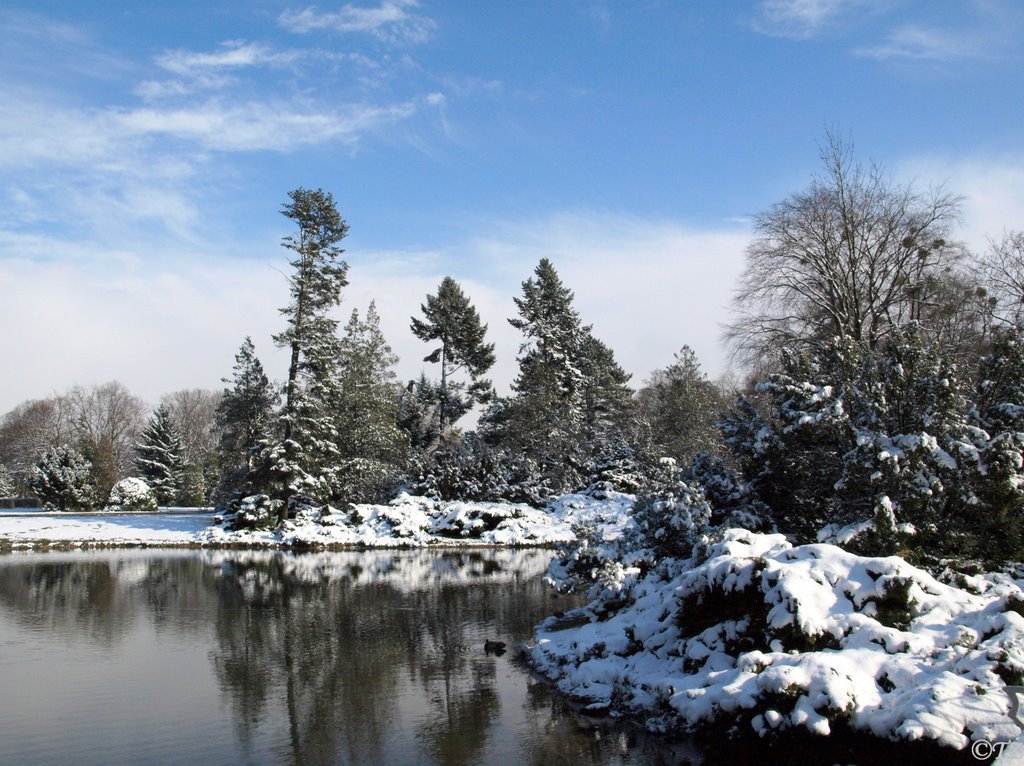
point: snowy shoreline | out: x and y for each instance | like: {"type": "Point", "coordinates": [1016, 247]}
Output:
{"type": "Point", "coordinates": [406, 522]}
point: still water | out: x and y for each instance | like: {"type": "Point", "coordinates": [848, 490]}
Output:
{"type": "Point", "coordinates": [242, 657]}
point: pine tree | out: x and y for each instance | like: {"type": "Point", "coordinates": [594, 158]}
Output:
{"type": "Point", "coordinates": [607, 398]}
{"type": "Point", "coordinates": [311, 337]}
{"type": "Point", "coordinates": [452, 320]}
{"type": "Point", "coordinates": [319, 275]}
{"type": "Point", "coordinates": [371, 447]}
{"type": "Point", "coordinates": [545, 418]}
{"type": "Point", "coordinates": [61, 480]}
{"type": "Point", "coordinates": [159, 456]}
{"type": "Point", "coordinates": [245, 411]}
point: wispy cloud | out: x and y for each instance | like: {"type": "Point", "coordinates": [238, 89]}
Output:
{"type": "Point", "coordinates": [261, 126]}
{"type": "Point", "coordinates": [801, 19]}
{"type": "Point", "coordinates": [392, 20]}
{"type": "Point", "coordinates": [917, 43]}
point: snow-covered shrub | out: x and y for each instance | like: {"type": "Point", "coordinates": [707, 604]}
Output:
{"type": "Point", "coordinates": [253, 512]}
{"type": "Point", "coordinates": [846, 430]}
{"type": "Point", "coordinates": [672, 516]}
{"type": "Point", "coordinates": [761, 636]}
{"type": "Point", "coordinates": [618, 466]}
{"type": "Point", "coordinates": [6, 483]}
{"type": "Point", "coordinates": [62, 480]}
{"type": "Point", "coordinates": [471, 470]}
{"type": "Point", "coordinates": [131, 495]}
{"type": "Point", "coordinates": [363, 480]}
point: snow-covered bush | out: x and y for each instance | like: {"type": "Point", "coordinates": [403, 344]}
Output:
{"type": "Point", "coordinates": [131, 495]}
{"type": "Point", "coordinates": [471, 470]}
{"type": "Point", "coordinates": [62, 480]}
{"type": "Point", "coordinates": [761, 636]}
{"type": "Point", "coordinates": [6, 482]}
{"type": "Point", "coordinates": [253, 512]}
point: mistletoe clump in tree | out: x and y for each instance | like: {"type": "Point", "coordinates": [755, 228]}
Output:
{"type": "Point", "coordinates": [159, 457]}
{"type": "Point", "coordinates": [451, 320]}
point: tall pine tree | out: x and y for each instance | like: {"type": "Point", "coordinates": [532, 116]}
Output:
{"type": "Point", "coordinates": [159, 457]}
{"type": "Point", "coordinates": [453, 321]}
{"type": "Point", "coordinates": [292, 468]}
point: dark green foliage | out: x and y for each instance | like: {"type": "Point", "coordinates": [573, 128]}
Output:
{"type": "Point", "coordinates": [569, 396]}
{"type": "Point", "coordinates": [848, 430]}
{"type": "Point", "coordinates": [671, 516]}
{"type": "Point", "coordinates": [469, 469]}
{"type": "Point", "coordinates": [61, 479]}
{"type": "Point", "coordinates": [244, 416]}
{"type": "Point", "coordinates": [451, 320]}
{"type": "Point", "coordinates": [159, 458]}
{"type": "Point", "coordinates": [372, 450]}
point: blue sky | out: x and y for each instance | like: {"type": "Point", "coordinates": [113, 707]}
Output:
{"type": "Point", "coordinates": [145, 149]}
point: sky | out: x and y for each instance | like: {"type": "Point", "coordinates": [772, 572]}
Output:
{"type": "Point", "coordinates": [146, 150]}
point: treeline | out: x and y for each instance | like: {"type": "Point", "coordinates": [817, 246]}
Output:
{"type": "Point", "coordinates": [883, 405]}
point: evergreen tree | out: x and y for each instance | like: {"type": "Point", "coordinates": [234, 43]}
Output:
{"type": "Point", "coordinates": [997, 519]}
{"type": "Point", "coordinates": [418, 417]}
{"type": "Point", "coordinates": [545, 418]}
{"type": "Point", "coordinates": [6, 483]}
{"type": "Point", "coordinates": [61, 480]}
{"type": "Point", "coordinates": [159, 457]}
{"type": "Point", "coordinates": [311, 337]}
{"type": "Point", "coordinates": [244, 415]}
{"type": "Point", "coordinates": [316, 283]}
{"type": "Point", "coordinates": [607, 399]}
{"type": "Point", "coordinates": [452, 320]}
{"type": "Point", "coordinates": [371, 448]}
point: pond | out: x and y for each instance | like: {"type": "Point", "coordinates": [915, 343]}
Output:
{"type": "Point", "coordinates": [256, 657]}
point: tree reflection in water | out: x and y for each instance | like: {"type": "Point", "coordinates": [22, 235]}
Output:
{"type": "Point", "coordinates": [357, 657]}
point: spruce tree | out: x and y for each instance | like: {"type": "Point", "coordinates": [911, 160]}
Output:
{"type": "Point", "coordinates": [545, 418]}
{"type": "Point", "coordinates": [371, 447]}
{"type": "Point", "coordinates": [453, 321]}
{"type": "Point", "coordinates": [245, 411]}
{"type": "Point", "coordinates": [159, 456]}
{"type": "Point", "coordinates": [61, 479]}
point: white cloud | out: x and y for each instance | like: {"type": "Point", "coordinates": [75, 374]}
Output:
{"type": "Point", "coordinates": [260, 126]}
{"type": "Point", "coordinates": [920, 43]}
{"type": "Point", "coordinates": [391, 20]}
{"type": "Point", "coordinates": [158, 323]}
{"type": "Point", "coordinates": [801, 19]}
{"type": "Point", "coordinates": [992, 188]}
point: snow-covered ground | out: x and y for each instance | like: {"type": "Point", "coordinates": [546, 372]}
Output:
{"type": "Point", "coordinates": [407, 521]}
{"type": "Point", "coordinates": [26, 530]}
{"type": "Point", "coordinates": [759, 636]}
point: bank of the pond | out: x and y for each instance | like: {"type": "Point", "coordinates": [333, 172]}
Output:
{"type": "Point", "coordinates": [757, 638]}
{"type": "Point", "coordinates": [406, 522]}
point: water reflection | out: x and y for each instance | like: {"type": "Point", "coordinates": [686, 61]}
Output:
{"type": "Point", "coordinates": [358, 657]}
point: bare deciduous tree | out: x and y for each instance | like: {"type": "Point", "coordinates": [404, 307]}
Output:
{"type": "Point", "coordinates": [853, 255]}
{"type": "Point", "coordinates": [1003, 267]}
{"type": "Point", "coordinates": [194, 412]}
